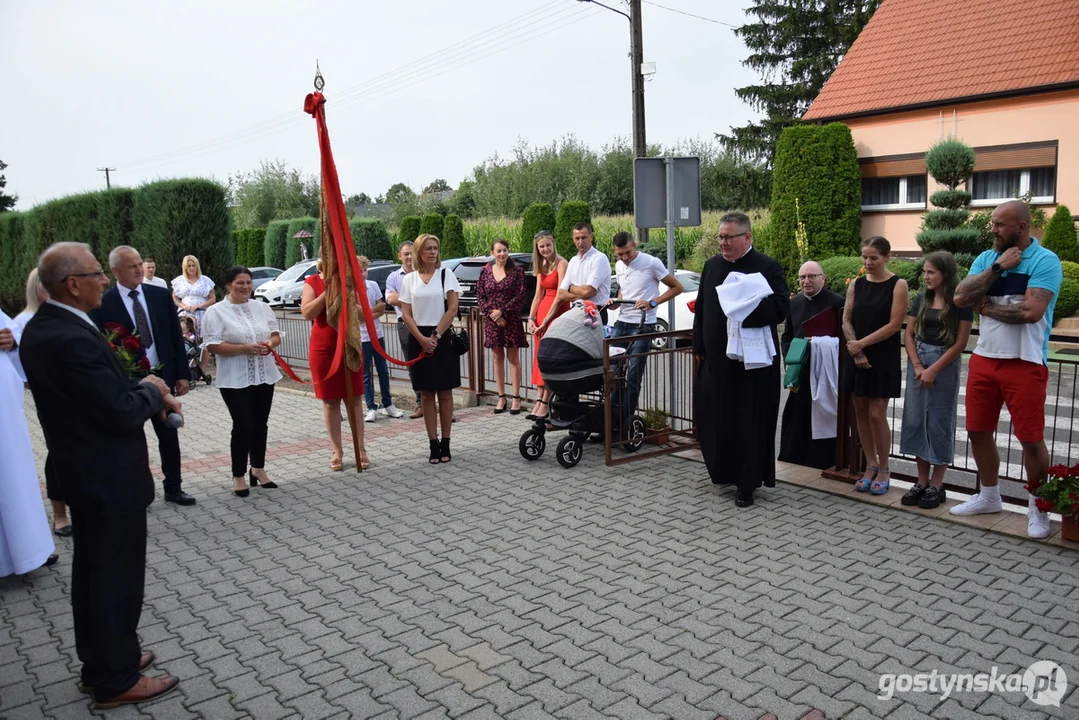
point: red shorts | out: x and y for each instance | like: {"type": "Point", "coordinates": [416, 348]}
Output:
{"type": "Point", "coordinates": [1016, 383]}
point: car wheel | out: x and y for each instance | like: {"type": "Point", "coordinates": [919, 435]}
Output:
{"type": "Point", "coordinates": [659, 343]}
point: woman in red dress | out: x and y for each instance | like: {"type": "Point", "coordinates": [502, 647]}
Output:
{"type": "Point", "coordinates": [550, 268]}
{"type": "Point", "coordinates": [500, 291]}
{"type": "Point", "coordinates": [330, 390]}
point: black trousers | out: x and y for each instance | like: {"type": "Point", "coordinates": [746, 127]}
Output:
{"type": "Point", "coordinates": [168, 443]}
{"type": "Point", "coordinates": [107, 577]}
{"type": "Point", "coordinates": [403, 335]}
{"type": "Point", "coordinates": [52, 483]}
{"type": "Point", "coordinates": [250, 411]}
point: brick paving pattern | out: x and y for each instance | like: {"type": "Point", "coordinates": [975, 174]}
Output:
{"type": "Point", "coordinates": [496, 588]}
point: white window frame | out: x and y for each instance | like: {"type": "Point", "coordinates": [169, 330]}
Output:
{"type": "Point", "coordinates": [902, 194]}
{"type": "Point", "coordinates": [1024, 188]}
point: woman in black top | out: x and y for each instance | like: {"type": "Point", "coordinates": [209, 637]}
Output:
{"type": "Point", "coordinates": [872, 317]}
{"type": "Point", "coordinates": [937, 334]}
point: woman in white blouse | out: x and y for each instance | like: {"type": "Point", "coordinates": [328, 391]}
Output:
{"type": "Point", "coordinates": [240, 333]}
{"type": "Point", "coordinates": [428, 305]}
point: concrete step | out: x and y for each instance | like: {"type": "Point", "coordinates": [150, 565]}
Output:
{"type": "Point", "coordinates": [1068, 323]}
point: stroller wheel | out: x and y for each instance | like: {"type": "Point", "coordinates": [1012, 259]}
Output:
{"type": "Point", "coordinates": [636, 434]}
{"type": "Point", "coordinates": [569, 451]}
{"type": "Point", "coordinates": [532, 444]}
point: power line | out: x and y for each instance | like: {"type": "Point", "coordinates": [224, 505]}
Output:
{"type": "Point", "coordinates": [689, 14]}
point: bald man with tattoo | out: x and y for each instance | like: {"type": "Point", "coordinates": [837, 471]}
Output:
{"type": "Point", "coordinates": [1014, 288]}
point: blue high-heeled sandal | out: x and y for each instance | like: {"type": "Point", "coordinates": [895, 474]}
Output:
{"type": "Point", "coordinates": [864, 484]}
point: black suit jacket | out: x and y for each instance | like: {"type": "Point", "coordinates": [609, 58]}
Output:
{"type": "Point", "coordinates": [91, 412]}
{"type": "Point", "coordinates": [164, 324]}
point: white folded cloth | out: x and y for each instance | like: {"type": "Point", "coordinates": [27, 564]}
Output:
{"type": "Point", "coordinates": [824, 385]}
{"type": "Point", "coordinates": [739, 295]}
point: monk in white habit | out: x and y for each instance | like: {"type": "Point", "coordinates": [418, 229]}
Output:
{"type": "Point", "coordinates": [25, 537]}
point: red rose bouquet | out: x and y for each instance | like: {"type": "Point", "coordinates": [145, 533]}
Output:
{"type": "Point", "coordinates": [1059, 492]}
{"type": "Point", "coordinates": [129, 351]}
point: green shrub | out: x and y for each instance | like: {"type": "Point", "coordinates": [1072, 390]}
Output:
{"type": "Point", "coordinates": [273, 247]}
{"type": "Point", "coordinates": [951, 162]}
{"type": "Point", "coordinates": [538, 216]}
{"type": "Point", "coordinates": [249, 242]}
{"type": "Point", "coordinates": [174, 218]}
{"type": "Point", "coordinates": [1071, 269]}
{"type": "Point", "coordinates": [453, 238]}
{"type": "Point", "coordinates": [965, 259]}
{"type": "Point", "coordinates": [371, 238]}
{"type": "Point", "coordinates": [1067, 300]}
{"type": "Point", "coordinates": [839, 269]}
{"type": "Point", "coordinates": [432, 224]}
{"type": "Point", "coordinates": [15, 264]}
{"type": "Point", "coordinates": [656, 247]}
{"type": "Point", "coordinates": [955, 241]}
{"type": "Point", "coordinates": [409, 229]}
{"type": "Point", "coordinates": [909, 270]}
{"type": "Point", "coordinates": [951, 198]}
{"type": "Point", "coordinates": [1060, 235]}
{"type": "Point", "coordinates": [816, 179]}
{"type": "Point", "coordinates": [571, 213]}
{"type": "Point", "coordinates": [981, 221]}
{"type": "Point", "coordinates": [703, 252]}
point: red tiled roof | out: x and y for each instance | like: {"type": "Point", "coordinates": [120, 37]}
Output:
{"type": "Point", "coordinates": [918, 52]}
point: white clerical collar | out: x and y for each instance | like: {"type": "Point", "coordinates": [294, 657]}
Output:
{"type": "Point", "coordinates": [810, 297]}
{"type": "Point", "coordinates": [743, 254]}
{"type": "Point", "coordinates": [73, 309]}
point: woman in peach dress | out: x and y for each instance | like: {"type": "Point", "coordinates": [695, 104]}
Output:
{"type": "Point", "coordinates": [549, 267]}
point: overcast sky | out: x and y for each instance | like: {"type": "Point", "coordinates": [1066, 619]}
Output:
{"type": "Point", "coordinates": [416, 89]}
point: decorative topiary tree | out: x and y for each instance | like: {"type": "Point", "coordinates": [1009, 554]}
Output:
{"type": "Point", "coordinates": [538, 216]}
{"type": "Point", "coordinates": [273, 248]}
{"type": "Point", "coordinates": [1060, 235]}
{"type": "Point", "coordinates": [951, 163]}
{"type": "Point", "coordinates": [409, 229]}
{"type": "Point", "coordinates": [371, 238]}
{"type": "Point", "coordinates": [453, 237]}
{"type": "Point", "coordinates": [817, 181]}
{"type": "Point", "coordinates": [432, 224]}
{"type": "Point", "coordinates": [571, 213]}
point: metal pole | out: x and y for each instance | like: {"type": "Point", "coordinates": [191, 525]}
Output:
{"type": "Point", "coordinates": [669, 163]}
{"type": "Point", "coordinates": [636, 54]}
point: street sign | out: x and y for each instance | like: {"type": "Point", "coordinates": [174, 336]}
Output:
{"type": "Point", "coordinates": [650, 191]}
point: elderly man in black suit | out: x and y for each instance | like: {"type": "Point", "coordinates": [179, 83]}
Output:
{"type": "Point", "coordinates": [149, 310]}
{"type": "Point", "coordinates": [92, 415]}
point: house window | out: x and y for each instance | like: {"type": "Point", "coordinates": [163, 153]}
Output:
{"type": "Point", "coordinates": [906, 192]}
{"type": "Point", "coordinates": [990, 187]}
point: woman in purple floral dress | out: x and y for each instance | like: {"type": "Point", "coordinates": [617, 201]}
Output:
{"type": "Point", "coordinates": [500, 292]}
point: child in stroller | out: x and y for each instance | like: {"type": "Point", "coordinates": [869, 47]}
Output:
{"type": "Point", "coordinates": [571, 360]}
{"type": "Point", "coordinates": [191, 347]}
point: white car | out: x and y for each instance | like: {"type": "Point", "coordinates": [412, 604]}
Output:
{"type": "Point", "coordinates": [683, 316]}
{"type": "Point", "coordinates": [288, 283]}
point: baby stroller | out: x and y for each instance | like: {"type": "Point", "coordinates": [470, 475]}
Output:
{"type": "Point", "coordinates": [192, 343]}
{"type": "Point", "coordinates": [571, 360]}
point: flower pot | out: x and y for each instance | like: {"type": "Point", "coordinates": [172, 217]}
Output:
{"type": "Point", "coordinates": [658, 436]}
{"type": "Point", "coordinates": [1069, 529]}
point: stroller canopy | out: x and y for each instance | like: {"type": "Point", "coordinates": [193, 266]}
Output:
{"type": "Point", "coordinates": [571, 353]}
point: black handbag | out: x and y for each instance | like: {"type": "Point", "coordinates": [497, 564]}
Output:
{"type": "Point", "coordinates": [458, 337]}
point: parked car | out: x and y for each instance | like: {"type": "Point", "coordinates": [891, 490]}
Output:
{"type": "Point", "coordinates": [262, 275]}
{"type": "Point", "coordinates": [290, 282]}
{"type": "Point", "coordinates": [468, 274]}
{"type": "Point", "coordinates": [683, 315]}
{"type": "Point", "coordinates": [291, 297]}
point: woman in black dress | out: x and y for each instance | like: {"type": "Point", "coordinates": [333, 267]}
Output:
{"type": "Point", "coordinates": [872, 318]}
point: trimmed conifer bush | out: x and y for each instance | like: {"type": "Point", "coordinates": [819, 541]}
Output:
{"type": "Point", "coordinates": [571, 213]}
{"type": "Point", "coordinates": [371, 238]}
{"type": "Point", "coordinates": [409, 229]}
{"type": "Point", "coordinates": [816, 180]}
{"type": "Point", "coordinates": [1060, 235]}
{"type": "Point", "coordinates": [249, 242]}
{"type": "Point", "coordinates": [537, 216]}
{"type": "Point", "coordinates": [1067, 300]}
{"type": "Point", "coordinates": [432, 224]}
{"type": "Point", "coordinates": [946, 227]}
{"type": "Point", "coordinates": [453, 237]}
{"type": "Point", "coordinates": [273, 248]}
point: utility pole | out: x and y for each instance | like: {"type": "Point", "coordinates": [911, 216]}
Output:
{"type": "Point", "coordinates": [107, 170]}
{"type": "Point", "coordinates": [640, 144]}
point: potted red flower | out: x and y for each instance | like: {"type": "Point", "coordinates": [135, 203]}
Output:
{"type": "Point", "coordinates": [1060, 493]}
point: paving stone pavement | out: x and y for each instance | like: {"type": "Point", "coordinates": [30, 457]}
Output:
{"type": "Point", "coordinates": [496, 588]}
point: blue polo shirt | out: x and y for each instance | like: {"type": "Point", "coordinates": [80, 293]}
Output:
{"type": "Point", "coordinates": [1037, 268]}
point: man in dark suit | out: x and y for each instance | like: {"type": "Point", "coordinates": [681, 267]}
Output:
{"type": "Point", "coordinates": [149, 310]}
{"type": "Point", "coordinates": [92, 415]}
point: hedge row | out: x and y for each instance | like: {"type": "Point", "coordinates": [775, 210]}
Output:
{"type": "Point", "coordinates": [165, 220]}
{"type": "Point", "coordinates": [249, 246]}
{"type": "Point", "coordinates": [273, 248]}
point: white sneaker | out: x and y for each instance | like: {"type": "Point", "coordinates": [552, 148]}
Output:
{"type": "Point", "coordinates": [1037, 521]}
{"type": "Point", "coordinates": [371, 416]}
{"type": "Point", "coordinates": [977, 505]}
{"type": "Point", "coordinates": [391, 410]}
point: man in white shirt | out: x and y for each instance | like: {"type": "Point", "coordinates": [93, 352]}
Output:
{"type": "Point", "coordinates": [588, 276]}
{"type": "Point", "coordinates": [149, 273]}
{"type": "Point", "coordinates": [393, 299]}
{"type": "Point", "coordinates": [640, 278]}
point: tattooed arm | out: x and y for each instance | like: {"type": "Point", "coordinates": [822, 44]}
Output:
{"type": "Point", "coordinates": [1030, 310]}
{"type": "Point", "coordinates": [971, 291]}
{"type": "Point", "coordinates": [848, 315]}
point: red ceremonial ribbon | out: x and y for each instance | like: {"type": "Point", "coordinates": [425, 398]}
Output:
{"type": "Point", "coordinates": [285, 367]}
{"type": "Point", "coordinates": [315, 105]}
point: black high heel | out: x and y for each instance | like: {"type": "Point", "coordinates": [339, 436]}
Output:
{"type": "Point", "coordinates": [500, 410]}
{"type": "Point", "coordinates": [518, 410]}
{"type": "Point", "coordinates": [255, 482]}
{"type": "Point", "coordinates": [240, 493]}
{"type": "Point", "coordinates": [435, 449]}
{"type": "Point", "coordinates": [444, 450]}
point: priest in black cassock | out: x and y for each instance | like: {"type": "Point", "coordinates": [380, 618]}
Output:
{"type": "Point", "coordinates": [796, 443]}
{"type": "Point", "coordinates": [737, 410]}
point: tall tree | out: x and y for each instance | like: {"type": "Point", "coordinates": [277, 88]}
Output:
{"type": "Point", "coordinates": [272, 192]}
{"type": "Point", "coordinates": [439, 185]}
{"type": "Point", "coordinates": [7, 202]}
{"type": "Point", "coordinates": [361, 199]}
{"type": "Point", "coordinates": [795, 45]}
{"type": "Point", "coordinates": [399, 193]}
